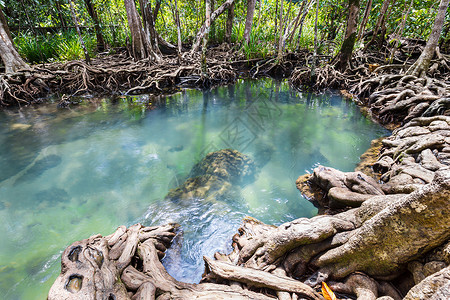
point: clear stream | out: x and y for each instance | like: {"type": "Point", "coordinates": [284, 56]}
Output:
{"type": "Point", "coordinates": [66, 174]}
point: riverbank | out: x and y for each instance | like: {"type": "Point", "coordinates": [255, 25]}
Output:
{"type": "Point", "coordinates": [119, 74]}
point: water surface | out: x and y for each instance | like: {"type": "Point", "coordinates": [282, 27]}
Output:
{"type": "Point", "coordinates": [68, 174]}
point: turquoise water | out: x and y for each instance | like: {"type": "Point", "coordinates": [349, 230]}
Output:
{"type": "Point", "coordinates": [71, 173]}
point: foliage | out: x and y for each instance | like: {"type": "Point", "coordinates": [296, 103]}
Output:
{"type": "Point", "coordinates": [36, 49]}
{"type": "Point", "coordinates": [30, 20]}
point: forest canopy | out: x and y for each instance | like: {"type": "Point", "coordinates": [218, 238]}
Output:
{"type": "Point", "coordinates": [44, 31]}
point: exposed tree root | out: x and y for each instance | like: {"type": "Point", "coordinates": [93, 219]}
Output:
{"type": "Point", "coordinates": [113, 74]}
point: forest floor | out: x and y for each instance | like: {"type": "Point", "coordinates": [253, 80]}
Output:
{"type": "Point", "coordinates": [383, 234]}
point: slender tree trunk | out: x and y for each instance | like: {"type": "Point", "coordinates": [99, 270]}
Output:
{"type": "Point", "coordinates": [276, 17]}
{"type": "Point", "coordinates": [364, 20]}
{"type": "Point", "coordinates": [156, 10]}
{"type": "Point", "coordinates": [176, 18]}
{"type": "Point", "coordinates": [399, 32]}
{"type": "Point", "coordinates": [420, 67]}
{"type": "Point", "coordinates": [346, 51]}
{"type": "Point", "coordinates": [314, 62]}
{"type": "Point", "coordinates": [205, 37]}
{"type": "Point", "coordinates": [75, 21]}
{"type": "Point", "coordinates": [62, 21]}
{"type": "Point", "coordinates": [280, 38]}
{"type": "Point", "coordinates": [229, 24]}
{"type": "Point", "coordinates": [98, 31]}
{"type": "Point", "coordinates": [291, 35]}
{"type": "Point", "coordinates": [212, 31]}
{"type": "Point", "coordinates": [302, 21]}
{"type": "Point", "coordinates": [205, 28]}
{"type": "Point", "coordinates": [380, 22]}
{"type": "Point", "coordinates": [249, 20]}
{"type": "Point", "coordinates": [10, 57]}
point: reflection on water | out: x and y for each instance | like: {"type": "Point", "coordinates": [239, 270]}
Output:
{"type": "Point", "coordinates": [68, 174]}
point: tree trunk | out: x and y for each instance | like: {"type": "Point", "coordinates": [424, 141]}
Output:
{"type": "Point", "coordinates": [380, 22]}
{"type": "Point", "coordinates": [302, 21]}
{"type": "Point", "coordinates": [291, 35]}
{"type": "Point", "coordinates": [98, 31]}
{"type": "Point", "coordinates": [249, 20]}
{"type": "Point", "coordinates": [139, 43]}
{"type": "Point", "coordinates": [280, 38]}
{"type": "Point", "coordinates": [205, 29]}
{"type": "Point", "coordinates": [212, 31]}
{"type": "Point", "coordinates": [365, 19]}
{"type": "Point", "coordinates": [176, 18]}
{"type": "Point", "coordinates": [229, 24]}
{"type": "Point", "coordinates": [75, 21]}
{"type": "Point", "coordinates": [420, 67]}
{"type": "Point", "coordinates": [150, 35]}
{"type": "Point", "coordinates": [345, 54]}
{"type": "Point", "coordinates": [399, 32]}
{"type": "Point", "coordinates": [10, 57]}
{"type": "Point", "coordinates": [314, 62]}
{"type": "Point", "coordinates": [62, 21]}
{"type": "Point", "coordinates": [205, 37]}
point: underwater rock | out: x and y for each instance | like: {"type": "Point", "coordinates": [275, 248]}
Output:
{"type": "Point", "coordinates": [215, 175]}
{"type": "Point", "coordinates": [19, 126]}
{"type": "Point", "coordinates": [53, 195]}
{"type": "Point", "coordinates": [39, 168]}
{"type": "Point", "coordinates": [177, 148]}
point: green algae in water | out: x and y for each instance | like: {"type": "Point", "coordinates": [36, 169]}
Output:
{"type": "Point", "coordinates": [112, 162]}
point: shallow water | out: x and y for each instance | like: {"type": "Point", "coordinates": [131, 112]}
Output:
{"type": "Point", "coordinates": [68, 174]}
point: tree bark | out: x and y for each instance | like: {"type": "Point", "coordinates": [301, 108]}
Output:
{"type": "Point", "coordinates": [205, 28]}
{"type": "Point", "coordinates": [345, 54]}
{"type": "Point", "coordinates": [249, 20]}
{"type": "Point", "coordinates": [205, 37]}
{"type": "Point", "coordinates": [280, 38]}
{"type": "Point", "coordinates": [62, 21]}
{"type": "Point", "coordinates": [75, 21]}
{"type": "Point", "coordinates": [176, 17]}
{"type": "Point", "coordinates": [365, 19]}
{"type": "Point", "coordinates": [229, 24]}
{"type": "Point", "coordinates": [10, 57]}
{"type": "Point", "coordinates": [420, 67]}
{"type": "Point", "coordinates": [98, 31]}
{"type": "Point", "coordinates": [380, 23]}
{"type": "Point", "coordinates": [297, 19]}
{"type": "Point", "coordinates": [399, 32]}
{"type": "Point", "coordinates": [302, 21]}
{"type": "Point", "coordinates": [140, 43]}
{"type": "Point", "coordinates": [150, 35]}
{"type": "Point", "coordinates": [314, 62]}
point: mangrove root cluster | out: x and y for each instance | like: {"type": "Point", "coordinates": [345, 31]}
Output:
{"type": "Point", "coordinates": [113, 74]}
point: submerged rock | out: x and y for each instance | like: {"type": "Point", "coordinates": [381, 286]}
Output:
{"type": "Point", "coordinates": [215, 175]}
{"type": "Point", "coordinates": [39, 168]}
{"type": "Point", "coordinates": [53, 196]}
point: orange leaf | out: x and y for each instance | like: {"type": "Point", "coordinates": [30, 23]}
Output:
{"type": "Point", "coordinates": [327, 292]}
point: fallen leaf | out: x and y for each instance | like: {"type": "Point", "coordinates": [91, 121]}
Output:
{"type": "Point", "coordinates": [327, 292]}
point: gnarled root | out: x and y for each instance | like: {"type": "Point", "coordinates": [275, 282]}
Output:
{"type": "Point", "coordinates": [399, 98]}
{"type": "Point", "coordinates": [379, 238]}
